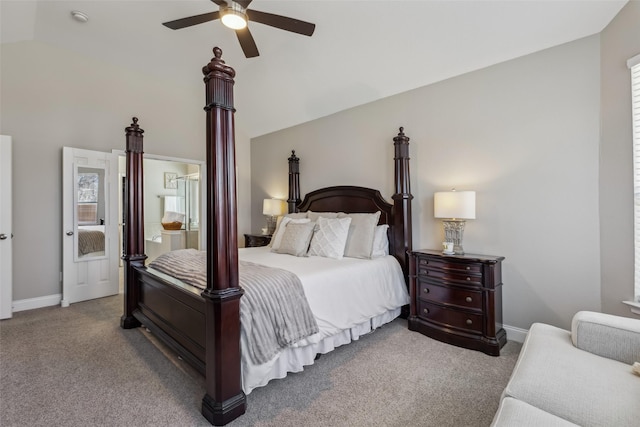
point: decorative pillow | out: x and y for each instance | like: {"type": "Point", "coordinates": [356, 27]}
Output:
{"type": "Point", "coordinates": [313, 216]}
{"type": "Point", "coordinates": [330, 237]}
{"type": "Point", "coordinates": [380, 242]}
{"type": "Point", "coordinates": [361, 231]}
{"type": "Point", "coordinates": [296, 238]}
{"type": "Point", "coordinates": [277, 235]}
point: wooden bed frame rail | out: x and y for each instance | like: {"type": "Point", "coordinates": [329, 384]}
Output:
{"type": "Point", "coordinates": [204, 327]}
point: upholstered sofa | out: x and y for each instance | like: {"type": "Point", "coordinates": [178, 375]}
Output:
{"type": "Point", "coordinates": [580, 377]}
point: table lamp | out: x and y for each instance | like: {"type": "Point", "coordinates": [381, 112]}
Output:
{"type": "Point", "coordinates": [272, 208]}
{"type": "Point", "coordinates": [454, 207]}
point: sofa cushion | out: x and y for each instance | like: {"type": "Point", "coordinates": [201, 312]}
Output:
{"type": "Point", "coordinates": [514, 412]}
{"type": "Point", "coordinates": [606, 335]}
{"type": "Point", "coordinates": [554, 376]}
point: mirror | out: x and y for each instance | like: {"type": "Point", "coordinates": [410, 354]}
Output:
{"type": "Point", "coordinates": [172, 191]}
{"type": "Point", "coordinates": [90, 209]}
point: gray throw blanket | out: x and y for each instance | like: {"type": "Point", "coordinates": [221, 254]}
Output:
{"type": "Point", "coordinates": [274, 311]}
{"type": "Point", "coordinates": [90, 241]}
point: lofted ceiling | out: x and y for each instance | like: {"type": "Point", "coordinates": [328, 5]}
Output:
{"type": "Point", "coordinates": [362, 50]}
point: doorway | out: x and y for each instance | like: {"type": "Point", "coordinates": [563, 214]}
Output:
{"type": "Point", "coordinates": [6, 235]}
{"type": "Point", "coordinates": [172, 204]}
{"type": "Point", "coordinates": [90, 225]}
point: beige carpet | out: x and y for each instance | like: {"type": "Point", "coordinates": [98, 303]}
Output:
{"type": "Point", "coordinates": [76, 367]}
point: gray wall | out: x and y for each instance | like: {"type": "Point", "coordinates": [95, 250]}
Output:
{"type": "Point", "coordinates": [53, 98]}
{"type": "Point", "coordinates": [619, 42]}
{"type": "Point", "coordinates": [553, 186]}
{"type": "Point", "coordinates": [523, 134]}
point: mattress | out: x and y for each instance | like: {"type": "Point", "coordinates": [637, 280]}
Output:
{"type": "Point", "coordinates": [349, 297]}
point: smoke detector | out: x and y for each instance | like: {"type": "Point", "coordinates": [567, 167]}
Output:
{"type": "Point", "coordinates": [79, 16]}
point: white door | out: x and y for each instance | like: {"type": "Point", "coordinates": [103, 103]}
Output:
{"type": "Point", "coordinates": [6, 283]}
{"type": "Point", "coordinates": [90, 225]}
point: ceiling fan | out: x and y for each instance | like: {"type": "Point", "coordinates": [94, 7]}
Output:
{"type": "Point", "coordinates": [234, 14]}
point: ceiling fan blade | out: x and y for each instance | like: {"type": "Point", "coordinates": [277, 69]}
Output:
{"type": "Point", "coordinates": [192, 20]}
{"type": "Point", "coordinates": [247, 43]}
{"type": "Point", "coordinates": [282, 22]}
{"type": "Point", "coordinates": [220, 2]}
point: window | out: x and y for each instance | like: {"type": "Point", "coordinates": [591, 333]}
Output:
{"type": "Point", "coordinates": [634, 66]}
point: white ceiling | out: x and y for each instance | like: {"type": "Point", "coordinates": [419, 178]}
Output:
{"type": "Point", "coordinates": [361, 50]}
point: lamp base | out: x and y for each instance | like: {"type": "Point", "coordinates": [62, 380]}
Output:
{"type": "Point", "coordinates": [271, 224]}
{"type": "Point", "coordinates": [453, 232]}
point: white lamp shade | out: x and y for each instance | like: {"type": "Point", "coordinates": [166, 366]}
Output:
{"type": "Point", "coordinates": [273, 207]}
{"type": "Point", "coordinates": [455, 204]}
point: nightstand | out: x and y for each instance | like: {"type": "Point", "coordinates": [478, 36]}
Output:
{"type": "Point", "coordinates": [255, 240]}
{"type": "Point", "coordinates": [457, 299]}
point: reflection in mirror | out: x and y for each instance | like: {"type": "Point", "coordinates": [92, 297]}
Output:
{"type": "Point", "coordinates": [90, 212]}
{"type": "Point", "coordinates": [171, 208]}
{"type": "Point", "coordinates": [189, 195]}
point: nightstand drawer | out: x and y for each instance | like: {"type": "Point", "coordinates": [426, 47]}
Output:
{"type": "Point", "coordinates": [450, 296]}
{"type": "Point", "coordinates": [470, 322]}
{"type": "Point", "coordinates": [453, 266]}
{"type": "Point", "coordinates": [450, 276]}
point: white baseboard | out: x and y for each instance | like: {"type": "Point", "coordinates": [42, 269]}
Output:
{"type": "Point", "coordinates": [515, 334]}
{"type": "Point", "coordinates": [39, 302]}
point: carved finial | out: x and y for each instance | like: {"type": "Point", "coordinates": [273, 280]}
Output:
{"type": "Point", "coordinates": [217, 65]}
{"type": "Point", "coordinates": [293, 157]}
{"type": "Point", "coordinates": [134, 128]}
{"type": "Point", "coordinates": [401, 137]}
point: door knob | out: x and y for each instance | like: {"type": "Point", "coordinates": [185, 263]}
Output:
{"type": "Point", "coordinates": [69, 233]}
{"type": "Point", "coordinates": [3, 236]}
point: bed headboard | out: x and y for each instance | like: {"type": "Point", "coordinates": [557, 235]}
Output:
{"type": "Point", "coordinates": [352, 199]}
{"type": "Point", "coordinates": [348, 199]}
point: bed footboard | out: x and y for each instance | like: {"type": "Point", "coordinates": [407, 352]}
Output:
{"type": "Point", "coordinates": [175, 314]}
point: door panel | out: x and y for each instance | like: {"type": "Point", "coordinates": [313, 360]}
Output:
{"type": "Point", "coordinates": [90, 225]}
{"type": "Point", "coordinates": [6, 279]}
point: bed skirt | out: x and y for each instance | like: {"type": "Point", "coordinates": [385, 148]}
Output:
{"type": "Point", "coordinates": [294, 359]}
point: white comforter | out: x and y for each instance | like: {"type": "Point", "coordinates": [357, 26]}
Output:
{"type": "Point", "coordinates": [349, 297]}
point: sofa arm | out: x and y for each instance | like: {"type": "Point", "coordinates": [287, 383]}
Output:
{"type": "Point", "coordinates": [606, 335]}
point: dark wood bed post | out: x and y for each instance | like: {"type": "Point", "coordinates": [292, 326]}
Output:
{"type": "Point", "coordinates": [402, 244]}
{"type": "Point", "coordinates": [294, 182]}
{"type": "Point", "coordinates": [134, 222]}
{"type": "Point", "coordinates": [224, 400]}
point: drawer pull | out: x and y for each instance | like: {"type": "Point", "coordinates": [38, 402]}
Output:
{"type": "Point", "coordinates": [468, 268]}
{"type": "Point", "coordinates": [425, 290]}
{"type": "Point", "coordinates": [468, 279]}
{"type": "Point", "coordinates": [469, 322]}
{"type": "Point", "coordinates": [468, 299]}
{"type": "Point", "coordinates": [426, 311]}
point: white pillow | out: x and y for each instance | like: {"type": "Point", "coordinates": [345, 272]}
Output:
{"type": "Point", "coordinates": [330, 237]}
{"type": "Point", "coordinates": [361, 231]}
{"type": "Point", "coordinates": [313, 216]}
{"type": "Point", "coordinates": [380, 242]}
{"type": "Point", "coordinates": [277, 236]}
{"type": "Point", "coordinates": [296, 238]}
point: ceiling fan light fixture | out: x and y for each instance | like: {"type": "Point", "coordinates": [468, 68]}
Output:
{"type": "Point", "coordinates": [233, 16]}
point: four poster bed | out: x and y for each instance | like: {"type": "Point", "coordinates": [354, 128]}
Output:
{"type": "Point", "coordinates": [200, 318]}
